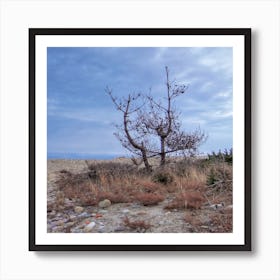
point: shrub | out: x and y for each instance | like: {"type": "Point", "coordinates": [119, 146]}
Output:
{"type": "Point", "coordinates": [139, 225]}
{"type": "Point", "coordinates": [114, 197]}
{"type": "Point", "coordinates": [219, 173]}
{"type": "Point", "coordinates": [186, 200]}
{"type": "Point", "coordinates": [225, 156]}
{"type": "Point", "coordinates": [212, 177]}
{"type": "Point", "coordinates": [163, 177]}
{"type": "Point", "coordinates": [148, 199]}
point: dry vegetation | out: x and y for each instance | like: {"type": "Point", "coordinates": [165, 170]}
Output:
{"type": "Point", "coordinates": [188, 185]}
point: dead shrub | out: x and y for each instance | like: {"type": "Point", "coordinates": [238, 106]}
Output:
{"type": "Point", "coordinates": [192, 220]}
{"type": "Point", "coordinates": [117, 197]}
{"type": "Point", "coordinates": [139, 225]}
{"type": "Point", "coordinates": [163, 176]}
{"type": "Point", "coordinates": [148, 199]}
{"type": "Point", "coordinates": [147, 186]}
{"type": "Point", "coordinates": [186, 200]}
{"type": "Point", "coordinates": [222, 222]}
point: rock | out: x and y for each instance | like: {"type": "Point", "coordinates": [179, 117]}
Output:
{"type": "Point", "coordinates": [57, 229]}
{"type": "Point", "coordinates": [125, 211]}
{"type": "Point", "coordinates": [205, 227]}
{"type": "Point", "coordinates": [52, 214]}
{"type": "Point", "coordinates": [217, 206]}
{"type": "Point", "coordinates": [69, 224]}
{"type": "Point", "coordinates": [79, 209]}
{"type": "Point", "coordinates": [119, 229]}
{"type": "Point", "coordinates": [84, 215]}
{"type": "Point", "coordinates": [104, 203]}
{"type": "Point", "coordinates": [89, 227]}
{"type": "Point", "coordinates": [72, 217]}
{"type": "Point", "coordinates": [75, 230]}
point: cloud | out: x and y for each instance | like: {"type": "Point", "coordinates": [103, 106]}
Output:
{"type": "Point", "coordinates": [80, 114]}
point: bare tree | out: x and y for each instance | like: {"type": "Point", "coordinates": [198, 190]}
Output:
{"type": "Point", "coordinates": [151, 128]}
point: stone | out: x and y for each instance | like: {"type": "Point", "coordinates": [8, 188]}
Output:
{"type": "Point", "coordinates": [69, 224]}
{"type": "Point", "coordinates": [84, 215]}
{"type": "Point", "coordinates": [104, 203]}
{"type": "Point", "coordinates": [89, 227]}
{"type": "Point", "coordinates": [205, 227]}
{"type": "Point", "coordinates": [120, 229]}
{"type": "Point", "coordinates": [72, 217]}
{"type": "Point", "coordinates": [125, 211]}
{"type": "Point", "coordinates": [79, 209]}
{"type": "Point", "coordinates": [57, 229]}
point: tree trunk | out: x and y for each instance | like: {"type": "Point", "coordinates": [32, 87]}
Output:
{"type": "Point", "coordinates": [162, 151]}
{"type": "Point", "coordinates": [145, 160]}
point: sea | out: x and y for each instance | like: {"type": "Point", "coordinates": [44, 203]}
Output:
{"type": "Point", "coordinates": [83, 156]}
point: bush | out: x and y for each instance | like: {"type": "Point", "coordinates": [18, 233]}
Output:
{"type": "Point", "coordinates": [219, 173]}
{"type": "Point", "coordinates": [187, 200]}
{"type": "Point", "coordinates": [163, 177]}
{"type": "Point", "coordinates": [225, 156]}
{"type": "Point", "coordinates": [212, 177]}
{"type": "Point", "coordinates": [140, 225]}
{"type": "Point", "coordinates": [148, 199]}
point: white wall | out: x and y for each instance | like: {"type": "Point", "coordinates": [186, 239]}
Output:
{"type": "Point", "coordinates": [17, 262]}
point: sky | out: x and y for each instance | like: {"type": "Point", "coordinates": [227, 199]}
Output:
{"type": "Point", "coordinates": [81, 116]}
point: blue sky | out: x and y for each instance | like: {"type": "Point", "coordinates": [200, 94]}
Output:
{"type": "Point", "coordinates": [81, 115]}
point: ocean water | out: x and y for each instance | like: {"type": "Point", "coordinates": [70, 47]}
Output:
{"type": "Point", "coordinates": [82, 156]}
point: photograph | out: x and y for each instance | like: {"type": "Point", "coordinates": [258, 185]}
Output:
{"type": "Point", "coordinates": [140, 139]}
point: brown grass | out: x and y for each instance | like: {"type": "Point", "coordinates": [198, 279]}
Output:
{"type": "Point", "coordinates": [186, 181]}
{"type": "Point", "coordinates": [148, 199]}
{"type": "Point", "coordinates": [139, 225]}
{"type": "Point", "coordinates": [222, 222]}
{"type": "Point", "coordinates": [186, 200]}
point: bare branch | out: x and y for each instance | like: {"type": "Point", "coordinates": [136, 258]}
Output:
{"type": "Point", "coordinates": [152, 128]}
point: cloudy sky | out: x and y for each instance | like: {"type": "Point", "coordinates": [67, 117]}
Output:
{"type": "Point", "coordinates": [81, 115]}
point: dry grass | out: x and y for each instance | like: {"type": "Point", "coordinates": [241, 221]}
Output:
{"type": "Point", "coordinates": [187, 181]}
{"type": "Point", "coordinates": [186, 200]}
{"type": "Point", "coordinates": [139, 225]}
{"type": "Point", "coordinates": [148, 199]}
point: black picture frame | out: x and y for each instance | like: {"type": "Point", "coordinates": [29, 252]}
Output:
{"type": "Point", "coordinates": [33, 35]}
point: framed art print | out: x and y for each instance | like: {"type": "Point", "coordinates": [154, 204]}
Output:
{"type": "Point", "coordinates": [140, 139]}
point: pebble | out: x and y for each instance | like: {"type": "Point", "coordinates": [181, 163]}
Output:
{"type": "Point", "coordinates": [204, 227]}
{"type": "Point", "coordinates": [89, 227]}
{"type": "Point", "coordinates": [57, 229]}
{"type": "Point", "coordinates": [52, 214]}
{"type": "Point", "coordinates": [125, 211]}
{"type": "Point", "coordinates": [57, 223]}
{"type": "Point", "coordinates": [69, 224]}
{"type": "Point", "coordinates": [84, 215]}
{"type": "Point", "coordinates": [104, 203]}
{"type": "Point", "coordinates": [119, 229]}
{"type": "Point", "coordinates": [79, 209]}
{"type": "Point", "coordinates": [73, 217]}
{"type": "Point", "coordinates": [76, 230]}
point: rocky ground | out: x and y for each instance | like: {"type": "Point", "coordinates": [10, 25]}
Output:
{"type": "Point", "coordinates": [66, 215]}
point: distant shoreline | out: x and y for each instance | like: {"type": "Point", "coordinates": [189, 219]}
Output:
{"type": "Point", "coordinates": [80, 156]}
